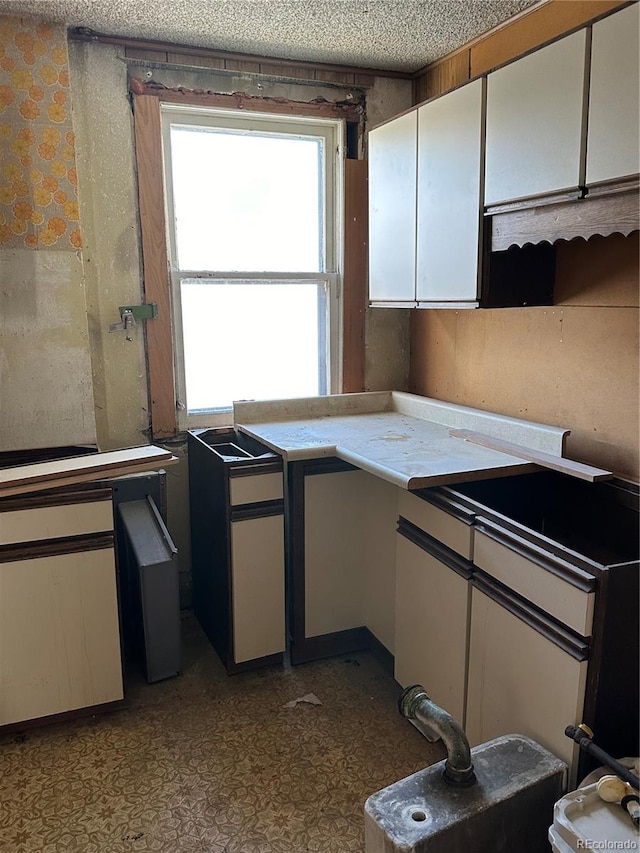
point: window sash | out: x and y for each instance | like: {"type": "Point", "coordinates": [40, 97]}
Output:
{"type": "Point", "coordinates": [332, 342]}
{"type": "Point", "coordinates": [331, 130]}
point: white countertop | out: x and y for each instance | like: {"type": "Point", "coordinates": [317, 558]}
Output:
{"type": "Point", "coordinates": [402, 438]}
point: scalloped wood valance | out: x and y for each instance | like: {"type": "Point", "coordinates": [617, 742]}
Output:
{"type": "Point", "coordinates": [612, 208]}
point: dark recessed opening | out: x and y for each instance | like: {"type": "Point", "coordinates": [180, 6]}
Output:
{"type": "Point", "coordinates": [519, 276]}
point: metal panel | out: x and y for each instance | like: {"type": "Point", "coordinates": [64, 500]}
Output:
{"type": "Point", "coordinates": [153, 554]}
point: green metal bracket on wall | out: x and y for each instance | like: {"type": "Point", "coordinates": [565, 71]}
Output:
{"type": "Point", "coordinates": [140, 312]}
{"type": "Point", "coordinates": [132, 314]}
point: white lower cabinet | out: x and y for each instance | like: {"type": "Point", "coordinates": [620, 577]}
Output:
{"type": "Point", "coordinates": [432, 605]}
{"type": "Point", "coordinates": [496, 631]}
{"type": "Point", "coordinates": [349, 554]}
{"type": "Point", "coordinates": [59, 634]}
{"type": "Point", "coordinates": [525, 675]}
{"type": "Point", "coordinates": [342, 567]}
{"type": "Point", "coordinates": [334, 570]}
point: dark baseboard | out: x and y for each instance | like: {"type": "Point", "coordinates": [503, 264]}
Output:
{"type": "Point", "coordinates": [383, 655]}
{"type": "Point", "coordinates": [330, 645]}
{"type": "Point", "coordinates": [255, 663]}
{"type": "Point", "coordinates": [64, 716]}
{"type": "Point", "coordinates": [342, 643]}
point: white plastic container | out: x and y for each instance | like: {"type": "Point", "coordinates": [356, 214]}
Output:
{"type": "Point", "coordinates": [582, 821]}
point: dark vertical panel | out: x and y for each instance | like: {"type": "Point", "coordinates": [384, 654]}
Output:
{"type": "Point", "coordinates": [355, 274]}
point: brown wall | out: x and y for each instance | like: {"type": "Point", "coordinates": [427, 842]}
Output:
{"type": "Point", "coordinates": [515, 37]}
{"type": "Point", "coordinates": [574, 364]}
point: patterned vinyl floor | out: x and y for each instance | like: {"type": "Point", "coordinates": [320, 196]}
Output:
{"type": "Point", "coordinates": [207, 763]}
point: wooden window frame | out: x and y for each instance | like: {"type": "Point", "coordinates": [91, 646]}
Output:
{"type": "Point", "coordinates": [155, 257]}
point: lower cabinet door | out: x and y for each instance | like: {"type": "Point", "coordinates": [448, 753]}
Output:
{"type": "Point", "coordinates": [59, 635]}
{"type": "Point", "coordinates": [335, 574]}
{"type": "Point", "coordinates": [521, 681]}
{"type": "Point", "coordinates": [257, 587]}
{"type": "Point", "coordinates": [432, 603]}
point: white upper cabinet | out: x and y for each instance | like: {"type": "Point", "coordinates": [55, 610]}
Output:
{"type": "Point", "coordinates": [392, 210]}
{"type": "Point", "coordinates": [613, 144]}
{"type": "Point", "coordinates": [450, 166]}
{"type": "Point", "coordinates": [535, 122]}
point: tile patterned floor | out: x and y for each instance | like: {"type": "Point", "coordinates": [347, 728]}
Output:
{"type": "Point", "coordinates": [207, 763]}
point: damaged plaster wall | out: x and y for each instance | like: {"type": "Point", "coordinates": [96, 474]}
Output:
{"type": "Point", "coordinates": [113, 271]}
{"type": "Point", "coordinates": [45, 372]}
{"type": "Point", "coordinates": [109, 207]}
{"type": "Point", "coordinates": [45, 369]}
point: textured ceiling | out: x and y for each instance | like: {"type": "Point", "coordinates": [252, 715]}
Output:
{"type": "Point", "coordinates": [391, 34]}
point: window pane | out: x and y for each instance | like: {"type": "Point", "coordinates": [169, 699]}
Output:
{"type": "Point", "coordinates": [247, 201]}
{"type": "Point", "coordinates": [246, 341]}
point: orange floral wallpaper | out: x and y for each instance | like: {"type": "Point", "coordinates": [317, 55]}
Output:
{"type": "Point", "coordinates": [38, 182]}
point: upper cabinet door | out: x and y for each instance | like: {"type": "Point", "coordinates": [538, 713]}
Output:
{"type": "Point", "coordinates": [450, 166]}
{"type": "Point", "coordinates": [613, 144]}
{"type": "Point", "coordinates": [392, 210]}
{"type": "Point", "coordinates": [535, 122]}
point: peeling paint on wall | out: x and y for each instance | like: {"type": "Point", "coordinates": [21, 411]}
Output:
{"type": "Point", "coordinates": [46, 393]}
{"type": "Point", "coordinates": [38, 182]}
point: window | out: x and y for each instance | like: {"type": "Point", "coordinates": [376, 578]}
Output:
{"type": "Point", "coordinates": [252, 212]}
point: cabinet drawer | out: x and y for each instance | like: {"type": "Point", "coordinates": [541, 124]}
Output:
{"type": "Point", "coordinates": [533, 575]}
{"type": "Point", "coordinates": [436, 522]}
{"type": "Point", "coordinates": [255, 488]}
{"type": "Point", "coordinates": [54, 522]}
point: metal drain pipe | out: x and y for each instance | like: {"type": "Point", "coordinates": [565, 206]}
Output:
{"type": "Point", "coordinates": [436, 724]}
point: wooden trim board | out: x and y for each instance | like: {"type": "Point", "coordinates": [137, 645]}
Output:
{"type": "Point", "coordinates": [518, 35]}
{"type": "Point", "coordinates": [82, 469]}
{"type": "Point", "coordinates": [242, 101]}
{"type": "Point", "coordinates": [155, 262]}
{"type": "Point", "coordinates": [546, 460]}
{"type": "Point", "coordinates": [141, 468]}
